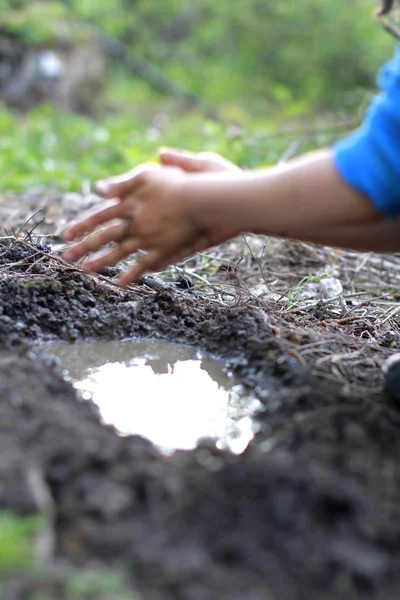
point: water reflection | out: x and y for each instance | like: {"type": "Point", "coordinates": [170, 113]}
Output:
{"type": "Point", "coordinates": [166, 392]}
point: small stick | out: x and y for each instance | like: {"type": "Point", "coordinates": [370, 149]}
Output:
{"type": "Point", "coordinates": [391, 28]}
{"type": "Point", "coordinates": [342, 321]}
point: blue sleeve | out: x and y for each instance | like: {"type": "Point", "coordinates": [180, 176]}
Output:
{"type": "Point", "coordinates": [369, 160]}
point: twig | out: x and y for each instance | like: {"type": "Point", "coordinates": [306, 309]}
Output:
{"type": "Point", "coordinates": [291, 151]}
{"type": "Point", "coordinates": [392, 313]}
{"type": "Point", "coordinates": [391, 28]}
{"type": "Point", "coordinates": [334, 358]}
{"type": "Point", "coordinates": [365, 303]}
{"type": "Point", "coordinates": [342, 321]}
{"type": "Point", "coordinates": [257, 261]}
{"type": "Point", "coordinates": [28, 221]}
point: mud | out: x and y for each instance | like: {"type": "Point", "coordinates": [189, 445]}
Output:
{"type": "Point", "coordinates": [309, 510]}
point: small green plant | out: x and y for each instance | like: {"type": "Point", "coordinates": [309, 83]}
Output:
{"type": "Point", "coordinates": [17, 536]}
{"type": "Point", "coordinates": [94, 585]}
{"type": "Point", "coordinates": [293, 295]}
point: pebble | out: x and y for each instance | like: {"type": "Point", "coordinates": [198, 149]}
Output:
{"type": "Point", "coordinates": [391, 373]}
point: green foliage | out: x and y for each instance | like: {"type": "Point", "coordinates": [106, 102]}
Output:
{"type": "Point", "coordinates": [43, 22]}
{"type": "Point", "coordinates": [283, 51]}
{"type": "Point", "coordinates": [16, 541]}
{"type": "Point", "coordinates": [62, 150]}
{"type": "Point", "coordinates": [266, 66]}
{"type": "Point", "coordinates": [258, 54]}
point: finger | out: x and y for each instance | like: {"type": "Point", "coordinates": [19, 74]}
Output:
{"type": "Point", "coordinates": [121, 185]}
{"type": "Point", "coordinates": [172, 260]}
{"type": "Point", "coordinates": [87, 225]}
{"type": "Point", "coordinates": [196, 163]}
{"type": "Point", "coordinates": [149, 262]}
{"type": "Point", "coordinates": [114, 256]}
{"type": "Point", "coordinates": [183, 159]}
{"type": "Point", "coordinates": [192, 163]}
{"type": "Point", "coordinates": [96, 241]}
{"type": "Point", "coordinates": [180, 254]}
{"type": "Point", "coordinates": [217, 163]}
{"type": "Point", "coordinates": [184, 252]}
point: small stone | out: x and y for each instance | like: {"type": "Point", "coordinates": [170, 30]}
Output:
{"type": "Point", "coordinates": [110, 499]}
{"type": "Point", "coordinates": [184, 282]}
{"type": "Point", "coordinates": [330, 287]}
{"type": "Point", "coordinates": [16, 400]}
{"type": "Point", "coordinates": [362, 559]}
{"type": "Point", "coordinates": [94, 313]}
{"type": "Point", "coordinates": [131, 306]}
{"type": "Point", "coordinates": [391, 373]}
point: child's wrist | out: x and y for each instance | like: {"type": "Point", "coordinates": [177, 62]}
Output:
{"type": "Point", "coordinates": [217, 199]}
{"type": "Point", "coordinates": [197, 201]}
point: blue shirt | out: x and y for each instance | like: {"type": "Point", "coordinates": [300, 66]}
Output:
{"type": "Point", "coordinates": [369, 160]}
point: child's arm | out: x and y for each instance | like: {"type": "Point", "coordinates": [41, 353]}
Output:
{"type": "Point", "coordinates": [175, 214]}
{"type": "Point", "coordinates": [382, 235]}
{"type": "Point", "coordinates": [304, 194]}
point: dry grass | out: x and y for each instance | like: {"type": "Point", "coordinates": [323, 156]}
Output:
{"type": "Point", "coordinates": [345, 337]}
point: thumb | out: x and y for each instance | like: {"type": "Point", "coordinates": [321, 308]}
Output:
{"type": "Point", "coordinates": [119, 186]}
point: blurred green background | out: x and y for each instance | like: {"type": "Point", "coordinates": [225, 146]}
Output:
{"type": "Point", "coordinates": [254, 80]}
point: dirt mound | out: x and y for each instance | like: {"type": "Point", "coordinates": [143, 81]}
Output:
{"type": "Point", "coordinates": [310, 510]}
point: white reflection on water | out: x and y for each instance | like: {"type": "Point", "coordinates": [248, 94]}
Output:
{"type": "Point", "coordinates": [165, 392]}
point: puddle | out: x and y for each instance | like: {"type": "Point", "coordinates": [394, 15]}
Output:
{"type": "Point", "coordinates": [168, 393]}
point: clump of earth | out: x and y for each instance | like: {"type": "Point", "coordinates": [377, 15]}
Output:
{"type": "Point", "coordinates": [309, 510]}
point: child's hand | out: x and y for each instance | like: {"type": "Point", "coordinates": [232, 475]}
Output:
{"type": "Point", "coordinates": [152, 214]}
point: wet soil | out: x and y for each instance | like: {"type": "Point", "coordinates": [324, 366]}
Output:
{"type": "Point", "coordinates": [309, 510]}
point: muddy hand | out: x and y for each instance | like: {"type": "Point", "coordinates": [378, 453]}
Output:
{"type": "Point", "coordinates": [203, 162]}
{"type": "Point", "coordinates": [151, 215]}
